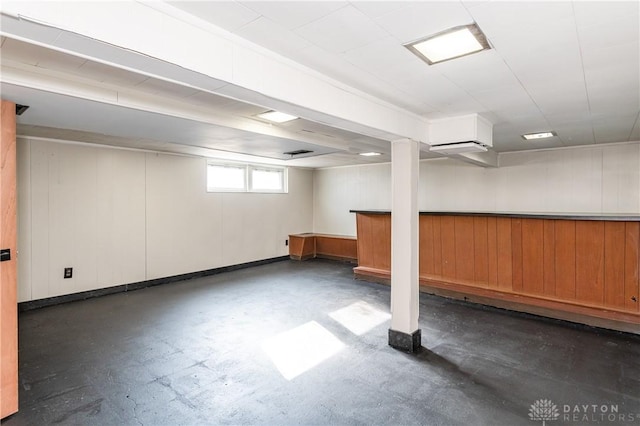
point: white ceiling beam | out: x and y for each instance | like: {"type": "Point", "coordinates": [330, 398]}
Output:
{"type": "Point", "coordinates": [110, 31]}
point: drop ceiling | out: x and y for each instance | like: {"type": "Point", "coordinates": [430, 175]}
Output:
{"type": "Point", "coordinates": [570, 67]}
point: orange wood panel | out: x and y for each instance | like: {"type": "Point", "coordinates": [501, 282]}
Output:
{"type": "Point", "coordinates": [336, 247]}
{"type": "Point", "coordinates": [516, 256]}
{"type": "Point", "coordinates": [565, 231]}
{"type": "Point", "coordinates": [448, 245]}
{"type": "Point", "coordinates": [464, 248]}
{"type": "Point", "coordinates": [365, 240]}
{"type": "Point", "coordinates": [296, 243]}
{"type": "Point", "coordinates": [381, 226]}
{"type": "Point", "coordinates": [8, 269]}
{"type": "Point", "coordinates": [504, 246]}
{"type": "Point", "coordinates": [492, 252]}
{"type": "Point", "coordinates": [437, 246]}
{"type": "Point", "coordinates": [533, 256]}
{"type": "Point", "coordinates": [590, 261]}
{"type": "Point", "coordinates": [549, 253]}
{"type": "Point", "coordinates": [480, 249]}
{"type": "Point", "coordinates": [614, 245]}
{"type": "Point", "coordinates": [632, 266]}
{"type": "Point", "coordinates": [427, 266]}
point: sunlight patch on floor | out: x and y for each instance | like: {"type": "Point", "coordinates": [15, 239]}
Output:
{"type": "Point", "coordinates": [300, 349]}
{"type": "Point", "coordinates": [360, 317]}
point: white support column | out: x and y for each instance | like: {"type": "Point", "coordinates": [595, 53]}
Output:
{"type": "Point", "coordinates": [404, 333]}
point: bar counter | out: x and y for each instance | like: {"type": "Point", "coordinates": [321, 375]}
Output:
{"type": "Point", "coordinates": [577, 267]}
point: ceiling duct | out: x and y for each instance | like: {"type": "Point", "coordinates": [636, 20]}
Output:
{"type": "Point", "coordinates": [460, 135]}
{"type": "Point", "coordinates": [297, 152]}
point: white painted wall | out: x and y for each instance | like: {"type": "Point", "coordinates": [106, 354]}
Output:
{"type": "Point", "coordinates": [593, 179]}
{"type": "Point", "coordinates": [119, 216]}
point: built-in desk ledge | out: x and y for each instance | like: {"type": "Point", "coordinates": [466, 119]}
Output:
{"type": "Point", "coordinates": [625, 217]}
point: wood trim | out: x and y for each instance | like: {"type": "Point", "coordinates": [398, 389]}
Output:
{"type": "Point", "coordinates": [335, 247]}
{"type": "Point", "coordinates": [8, 269]}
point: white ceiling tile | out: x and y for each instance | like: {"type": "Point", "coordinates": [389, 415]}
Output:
{"type": "Point", "coordinates": [380, 55]}
{"type": "Point", "coordinates": [505, 98]}
{"type": "Point", "coordinates": [224, 14]}
{"type": "Point", "coordinates": [342, 30]}
{"type": "Point", "coordinates": [598, 12]}
{"type": "Point", "coordinates": [615, 129]}
{"type": "Point", "coordinates": [620, 31]}
{"type": "Point", "coordinates": [489, 72]}
{"type": "Point", "coordinates": [579, 133]}
{"type": "Point", "coordinates": [273, 37]}
{"type": "Point", "coordinates": [291, 14]}
{"type": "Point", "coordinates": [518, 18]}
{"type": "Point", "coordinates": [421, 19]}
{"type": "Point", "coordinates": [619, 56]}
{"type": "Point", "coordinates": [374, 9]}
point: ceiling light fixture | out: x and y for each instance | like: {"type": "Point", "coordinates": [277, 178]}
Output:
{"type": "Point", "coordinates": [370, 154]}
{"type": "Point", "coordinates": [450, 44]}
{"type": "Point", "coordinates": [277, 117]}
{"type": "Point", "coordinates": [539, 135]}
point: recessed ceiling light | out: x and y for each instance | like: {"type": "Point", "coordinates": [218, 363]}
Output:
{"type": "Point", "coordinates": [450, 44]}
{"type": "Point", "coordinates": [539, 135]}
{"type": "Point", "coordinates": [277, 116]}
{"type": "Point", "coordinates": [370, 154]}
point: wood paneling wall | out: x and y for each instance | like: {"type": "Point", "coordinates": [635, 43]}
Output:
{"type": "Point", "coordinates": [587, 263]}
{"type": "Point", "coordinates": [337, 247]}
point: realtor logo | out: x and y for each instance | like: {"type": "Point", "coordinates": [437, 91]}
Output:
{"type": "Point", "coordinates": [544, 410]}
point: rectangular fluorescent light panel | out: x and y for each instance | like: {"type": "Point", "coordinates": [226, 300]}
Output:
{"type": "Point", "coordinates": [539, 135]}
{"type": "Point", "coordinates": [450, 44]}
{"type": "Point", "coordinates": [277, 117]}
{"type": "Point", "coordinates": [369, 154]}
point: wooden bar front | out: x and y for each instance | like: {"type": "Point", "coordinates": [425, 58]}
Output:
{"type": "Point", "coordinates": [582, 269]}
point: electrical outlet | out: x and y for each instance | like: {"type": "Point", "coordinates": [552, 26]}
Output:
{"type": "Point", "coordinates": [286, 242]}
{"type": "Point", "coordinates": [68, 273]}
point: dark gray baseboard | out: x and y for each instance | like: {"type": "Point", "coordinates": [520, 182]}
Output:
{"type": "Point", "coordinates": [50, 301]}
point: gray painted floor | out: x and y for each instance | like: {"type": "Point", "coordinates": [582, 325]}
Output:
{"type": "Point", "coordinates": [193, 353]}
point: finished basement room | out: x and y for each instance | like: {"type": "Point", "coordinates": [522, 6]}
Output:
{"type": "Point", "coordinates": [320, 212]}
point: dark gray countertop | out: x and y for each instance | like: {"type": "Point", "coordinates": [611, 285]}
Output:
{"type": "Point", "coordinates": [526, 215]}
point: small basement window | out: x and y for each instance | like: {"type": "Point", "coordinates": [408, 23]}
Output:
{"type": "Point", "coordinates": [267, 179]}
{"type": "Point", "coordinates": [223, 177]}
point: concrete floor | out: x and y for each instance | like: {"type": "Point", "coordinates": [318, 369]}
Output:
{"type": "Point", "coordinates": [194, 353]}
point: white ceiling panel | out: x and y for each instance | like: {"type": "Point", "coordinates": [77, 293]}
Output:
{"type": "Point", "coordinates": [520, 18]}
{"type": "Point", "coordinates": [421, 19]}
{"type": "Point", "coordinates": [375, 9]}
{"type": "Point", "coordinates": [290, 15]}
{"type": "Point", "coordinates": [612, 33]}
{"type": "Point", "coordinates": [345, 29]}
{"type": "Point", "coordinates": [489, 72]}
{"type": "Point", "coordinates": [381, 55]}
{"type": "Point", "coordinates": [613, 129]}
{"type": "Point", "coordinates": [229, 15]}
{"type": "Point", "coordinates": [597, 12]}
{"type": "Point", "coordinates": [273, 36]}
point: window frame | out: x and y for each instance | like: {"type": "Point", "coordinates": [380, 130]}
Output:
{"type": "Point", "coordinates": [248, 177]}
